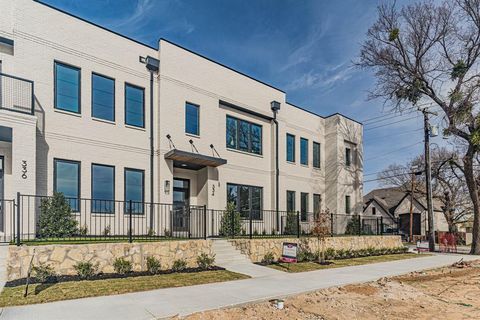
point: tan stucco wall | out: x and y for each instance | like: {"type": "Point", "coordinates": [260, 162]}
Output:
{"type": "Point", "coordinates": [63, 257]}
{"type": "Point", "coordinates": [256, 249]}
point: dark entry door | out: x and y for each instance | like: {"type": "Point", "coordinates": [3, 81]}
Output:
{"type": "Point", "coordinates": [181, 204]}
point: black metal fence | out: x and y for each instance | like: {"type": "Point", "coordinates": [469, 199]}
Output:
{"type": "Point", "coordinates": [42, 218]}
{"type": "Point", "coordinates": [16, 94]}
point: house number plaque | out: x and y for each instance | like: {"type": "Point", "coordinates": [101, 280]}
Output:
{"type": "Point", "coordinates": [24, 169]}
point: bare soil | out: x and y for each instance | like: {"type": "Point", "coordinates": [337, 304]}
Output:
{"type": "Point", "coordinates": [446, 293]}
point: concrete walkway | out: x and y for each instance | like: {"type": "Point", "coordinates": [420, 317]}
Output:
{"type": "Point", "coordinates": [3, 266]}
{"type": "Point", "coordinates": [183, 301]}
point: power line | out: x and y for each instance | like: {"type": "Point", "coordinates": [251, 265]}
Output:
{"type": "Point", "coordinates": [396, 150]}
{"type": "Point", "coordinates": [393, 134]}
{"type": "Point", "coordinates": [387, 124]}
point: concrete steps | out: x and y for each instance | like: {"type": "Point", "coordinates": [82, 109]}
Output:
{"type": "Point", "coordinates": [228, 257]}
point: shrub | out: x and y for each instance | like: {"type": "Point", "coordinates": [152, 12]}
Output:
{"type": "Point", "coordinates": [153, 265]}
{"type": "Point", "coordinates": [43, 273]}
{"type": "Point", "coordinates": [85, 270]}
{"type": "Point", "coordinates": [179, 265]}
{"type": "Point", "coordinates": [205, 261]}
{"type": "Point", "coordinates": [106, 231]}
{"type": "Point", "coordinates": [231, 223]}
{"type": "Point", "coordinates": [330, 253]}
{"type": "Point", "coordinates": [353, 225]}
{"type": "Point", "coordinates": [122, 266]}
{"type": "Point", "coordinates": [255, 233]}
{"type": "Point", "coordinates": [268, 258]}
{"type": "Point", "coordinates": [83, 231]}
{"type": "Point", "coordinates": [264, 232]}
{"type": "Point", "coordinates": [291, 225]}
{"type": "Point", "coordinates": [56, 218]}
{"type": "Point", "coordinates": [151, 232]}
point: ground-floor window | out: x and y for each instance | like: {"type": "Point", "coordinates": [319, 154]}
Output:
{"type": "Point", "coordinates": [247, 199]}
{"type": "Point", "coordinates": [66, 180]}
{"type": "Point", "coordinates": [317, 204]}
{"type": "Point", "coordinates": [103, 188]}
{"type": "Point", "coordinates": [290, 201]}
{"type": "Point", "coordinates": [134, 189]}
{"type": "Point", "coordinates": [303, 206]}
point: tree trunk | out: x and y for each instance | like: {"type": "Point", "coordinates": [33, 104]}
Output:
{"type": "Point", "coordinates": [473, 191]}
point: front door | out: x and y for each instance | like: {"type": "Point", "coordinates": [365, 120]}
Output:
{"type": "Point", "coordinates": [181, 204]}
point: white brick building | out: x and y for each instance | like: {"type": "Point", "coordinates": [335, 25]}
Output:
{"type": "Point", "coordinates": [214, 132]}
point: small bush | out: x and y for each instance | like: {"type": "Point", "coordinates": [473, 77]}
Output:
{"type": "Point", "coordinates": [205, 261]}
{"type": "Point", "coordinates": [151, 232]}
{"type": "Point", "coordinates": [106, 231]}
{"type": "Point", "coordinates": [85, 270]}
{"type": "Point", "coordinates": [43, 273]}
{"type": "Point", "coordinates": [83, 231]}
{"type": "Point", "coordinates": [56, 219]}
{"type": "Point", "coordinates": [153, 265]}
{"type": "Point", "coordinates": [122, 266]}
{"type": "Point", "coordinates": [330, 254]}
{"type": "Point", "coordinates": [291, 225]}
{"type": "Point", "coordinates": [264, 232]}
{"type": "Point", "coordinates": [179, 265]}
{"type": "Point", "coordinates": [268, 258]}
{"type": "Point", "coordinates": [255, 233]}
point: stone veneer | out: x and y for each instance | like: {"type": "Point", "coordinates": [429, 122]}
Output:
{"type": "Point", "coordinates": [63, 257]}
{"type": "Point", "coordinates": [256, 249]}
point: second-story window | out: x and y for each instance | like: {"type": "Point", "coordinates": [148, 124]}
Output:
{"type": "Point", "coordinates": [348, 208]}
{"type": "Point", "coordinates": [348, 157]}
{"type": "Point", "coordinates": [67, 88]}
{"type": "Point", "coordinates": [304, 151]}
{"type": "Point", "coordinates": [243, 135]}
{"type": "Point", "coordinates": [316, 154]}
{"type": "Point", "coordinates": [192, 118]}
{"type": "Point", "coordinates": [134, 106]}
{"type": "Point", "coordinates": [103, 97]}
{"type": "Point", "coordinates": [290, 147]}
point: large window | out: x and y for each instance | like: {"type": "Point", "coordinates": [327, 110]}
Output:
{"type": "Point", "coordinates": [192, 119]}
{"type": "Point", "coordinates": [316, 154]}
{"type": "Point", "coordinates": [247, 199]}
{"type": "Point", "coordinates": [103, 97]}
{"type": "Point", "coordinates": [67, 88]}
{"type": "Point", "coordinates": [103, 189]}
{"type": "Point", "coordinates": [67, 181]}
{"type": "Point", "coordinates": [304, 151]}
{"type": "Point", "coordinates": [290, 147]}
{"type": "Point", "coordinates": [317, 204]}
{"type": "Point", "coordinates": [134, 190]}
{"type": "Point", "coordinates": [348, 157]}
{"type": "Point", "coordinates": [290, 201]}
{"type": "Point", "coordinates": [243, 135]}
{"type": "Point", "coordinates": [134, 106]}
{"type": "Point", "coordinates": [303, 206]}
{"type": "Point", "coordinates": [348, 208]}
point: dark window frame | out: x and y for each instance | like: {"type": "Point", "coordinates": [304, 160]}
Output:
{"type": "Point", "coordinates": [317, 200]}
{"type": "Point", "coordinates": [319, 162]}
{"type": "Point", "coordinates": [91, 189]}
{"type": "Point", "coordinates": [79, 183]}
{"type": "Point", "coordinates": [294, 194]}
{"type": "Point", "coordinates": [198, 118]}
{"type": "Point", "coordinates": [70, 66]}
{"type": "Point", "coordinates": [348, 156]}
{"type": "Point", "coordinates": [125, 190]}
{"type": "Point", "coordinates": [114, 96]}
{"type": "Point", "coordinates": [237, 133]}
{"type": "Point", "coordinates": [128, 84]}
{"type": "Point", "coordinates": [374, 211]}
{"type": "Point", "coordinates": [301, 153]}
{"type": "Point", "coordinates": [294, 147]}
{"type": "Point", "coordinates": [348, 204]}
{"type": "Point", "coordinates": [304, 211]}
{"type": "Point", "coordinates": [237, 205]}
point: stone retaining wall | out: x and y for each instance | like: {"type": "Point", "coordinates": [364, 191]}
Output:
{"type": "Point", "coordinates": [63, 257]}
{"type": "Point", "coordinates": [256, 249]}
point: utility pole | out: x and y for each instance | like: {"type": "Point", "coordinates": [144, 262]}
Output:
{"type": "Point", "coordinates": [428, 175]}
{"type": "Point", "coordinates": [412, 191]}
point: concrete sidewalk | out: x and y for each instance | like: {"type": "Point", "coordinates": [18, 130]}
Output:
{"type": "Point", "coordinates": [182, 301]}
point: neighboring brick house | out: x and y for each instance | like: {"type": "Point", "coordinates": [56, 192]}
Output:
{"type": "Point", "coordinates": [393, 204]}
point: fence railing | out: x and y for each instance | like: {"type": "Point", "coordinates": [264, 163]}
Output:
{"type": "Point", "coordinates": [45, 218]}
{"type": "Point", "coordinates": [16, 94]}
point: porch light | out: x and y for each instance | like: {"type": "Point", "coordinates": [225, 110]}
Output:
{"type": "Point", "coordinates": [167, 187]}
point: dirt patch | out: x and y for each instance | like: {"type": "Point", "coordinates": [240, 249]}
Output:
{"type": "Point", "coordinates": [445, 293]}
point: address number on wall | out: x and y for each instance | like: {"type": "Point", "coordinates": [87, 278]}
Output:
{"type": "Point", "coordinates": [24, 169]}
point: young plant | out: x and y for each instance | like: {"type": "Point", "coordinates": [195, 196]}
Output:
{"type": "Point", "coordinates": [153, 265]}
{"type": "Point", "coordinates": [205, 261]}
{"type": "Point", "coordinates": [122, 266]}
{"type": "Point", "coordinates": [268, 258]}
{"type": "Point", "coordinates": [83, 231]}
{"type": "Point", "coordinates": [106, 231]}
{"type": "Point", "coordinates": [56, 219]}
{"type": "Point", "coordinates": [85, 270]}
{"type": "Point", "coordinates": [43, 273]}
{"type": "Point", "coordinates": [321, 230]}
{"type": "Point", "coordinates": [231, 223]}
{"type": "Point", "coordinates": [179, 265]}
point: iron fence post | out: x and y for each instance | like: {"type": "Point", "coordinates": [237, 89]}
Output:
{"type": "Point", "coordinates": [250, 222]}
{"type": "Point", "coordinates": [205, 222]}
{"type": "Point", "coordinates": [130, 231]}
{"type": "Point", "coordinates": [381, 225]}
{"type": "Point", "coordinates": [298, 224]}
{"type": "Point", "coordinates": [18, 219]}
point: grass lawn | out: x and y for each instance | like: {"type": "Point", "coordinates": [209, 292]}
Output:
{"type": "Point", "coordinates": [311, 266]}
{"type": "Point", "coordinates": [41, 293]}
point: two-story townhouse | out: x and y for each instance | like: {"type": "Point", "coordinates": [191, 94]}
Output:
{"type": "Point", "coordinates": [105, 119]}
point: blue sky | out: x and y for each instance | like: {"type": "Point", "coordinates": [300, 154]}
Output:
{"type": "Point", "coordinates": [305, 48]}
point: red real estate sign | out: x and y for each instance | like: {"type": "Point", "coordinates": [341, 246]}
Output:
{"type": "Point", "coordinates": [289, 252]}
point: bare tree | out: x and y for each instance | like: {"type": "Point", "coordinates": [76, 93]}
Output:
{"type": "Point", "coordinates": [321, 230]}
{"type": "Point", "coordinates": [429, 52]}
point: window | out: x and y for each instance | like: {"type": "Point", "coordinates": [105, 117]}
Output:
{"type": "Point", "coordinates": [303, 206]}
{"type": "Point", "coordinates": [134, 182]}
{"type": "Point", "coordinates": [192, 119]}
{"type": "Point", "coordinates": [290, 201]}
{"type": "Point", "coordinates": [348, 157]}
{"type": "Point", "coordinates": [67, 181]}
{"type": "Point", "coordinates": [304, 151]}
{"type": "Point", "coordinates": [103, 97]}
{"type": "Point", "coordinates": [317, 204]}
{"type": "Point", "coordinates": [67, 88]}
{"type": "Point", "coordinates": [374, 211]}
{"type": "Point", "coordinates": [243, 135]}
{"type": "Point", "coordinates": [348, 208]}
{"type": "Point", "coordinates": [103, 189]}
{"type": "Point", "coordinates": [290, 147]}
{"type": "Point", "coordinates": [316, 154]}
{"type": "Point", "coordinates": [134, 106]}
{"type": "Point", "coordinates": [247, 199]}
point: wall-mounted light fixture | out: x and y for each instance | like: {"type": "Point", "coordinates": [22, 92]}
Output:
{"type": "Point", "coordinates": [167, 187]}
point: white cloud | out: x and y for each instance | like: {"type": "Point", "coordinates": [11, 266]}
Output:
{"type": "Point", "coordinates": [326, 79]}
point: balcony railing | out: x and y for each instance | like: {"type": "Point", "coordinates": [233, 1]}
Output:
{"type": "Point", "coordinates": [16, 94]}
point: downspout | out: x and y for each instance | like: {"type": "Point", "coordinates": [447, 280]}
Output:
{"type": "Point", "coordinates": [275, 106]}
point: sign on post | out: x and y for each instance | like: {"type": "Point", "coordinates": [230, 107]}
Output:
{"type": "Point", "coordinates": [289, 252]}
